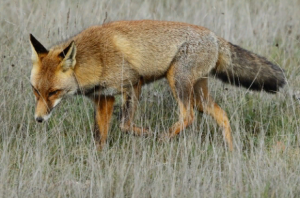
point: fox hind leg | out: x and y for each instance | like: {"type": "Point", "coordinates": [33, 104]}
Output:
{"type": "Point", "coordinates": [182, 90]}
{"type": "Point", "coordinates": [206, 104]}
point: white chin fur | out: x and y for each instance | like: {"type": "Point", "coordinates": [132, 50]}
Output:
{"type": "Point", "coordinates": [56, 102]}
{"type": "Point", "coordinates": [45, 117]}
{"type": "Point", "coordinates": [72, 92]}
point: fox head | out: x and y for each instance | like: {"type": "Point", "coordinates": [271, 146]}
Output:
{"type": "Point", "coordinates": [52, 76]}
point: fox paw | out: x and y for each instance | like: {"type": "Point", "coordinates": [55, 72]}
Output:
{"type": "Point", "coordinates": [135, 130]}
{"type": "Point", "coordinates": [165, 137]}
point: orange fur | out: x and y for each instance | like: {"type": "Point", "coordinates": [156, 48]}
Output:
{"type": "Point", "coordinates": [206, 104]}
{"type": "Point", "coordinates": [104, 109]}
{"type": "Point", "coordinates": [118, 57]}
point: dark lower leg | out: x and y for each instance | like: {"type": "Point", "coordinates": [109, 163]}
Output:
{"type": "Point", "coordinates": [129, 107]}
{"type": "Point", "coordinates": [206, 104]}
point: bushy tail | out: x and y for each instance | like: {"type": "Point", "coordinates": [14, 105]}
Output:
{"type": "Point", "coordinates": [238, 66]}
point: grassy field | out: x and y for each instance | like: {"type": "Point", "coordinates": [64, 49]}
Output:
{"type": "Point", "coordinates": [59, 159]}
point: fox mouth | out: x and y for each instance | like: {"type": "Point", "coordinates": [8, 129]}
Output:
{"type": "Point", "coordinates": [40, 119]}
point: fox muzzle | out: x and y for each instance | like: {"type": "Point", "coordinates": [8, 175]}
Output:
{"type": "Point", "coordinates": [39, 119]}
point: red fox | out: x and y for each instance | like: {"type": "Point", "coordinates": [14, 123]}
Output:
{"type": "Point", "coordinates": [119, 57]}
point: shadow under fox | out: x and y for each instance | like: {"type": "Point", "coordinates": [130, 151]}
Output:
{"type": "Point", "coordinates": [119, 57]}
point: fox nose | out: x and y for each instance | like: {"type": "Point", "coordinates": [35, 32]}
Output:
{"type": "Point", "coordinates": [39, 119]}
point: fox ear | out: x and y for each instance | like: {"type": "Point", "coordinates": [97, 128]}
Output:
{"type": "Point", "coordinates": [37, 49]}
{"type": "Point", "coordinates": [68, 56]}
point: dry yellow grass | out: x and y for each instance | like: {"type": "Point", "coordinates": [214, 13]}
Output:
{"type": "Point", "coordinates": [58, 158]}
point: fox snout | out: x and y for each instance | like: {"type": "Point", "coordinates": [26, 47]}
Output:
{"type": "Point", "coordinates": [43, 110]}
{"type": "Point", "coordinates": [39, 119]}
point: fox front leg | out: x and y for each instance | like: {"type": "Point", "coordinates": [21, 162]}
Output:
{"type": "Point", "coordinates": [130, 102]}
{"type": "Point", "coordinates": [103, 111]}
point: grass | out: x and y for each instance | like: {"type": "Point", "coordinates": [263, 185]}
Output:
{"type": "Point", "coordinates": [58, 158]}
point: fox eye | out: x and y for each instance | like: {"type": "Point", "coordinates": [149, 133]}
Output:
{"type": "Point", "coordinates": [35, 91]}
{"type": "Point", "coordinates": [52, 93]}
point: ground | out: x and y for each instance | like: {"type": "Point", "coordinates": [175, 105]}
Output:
{"type": "Point", "coordinates": [59, 159]}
